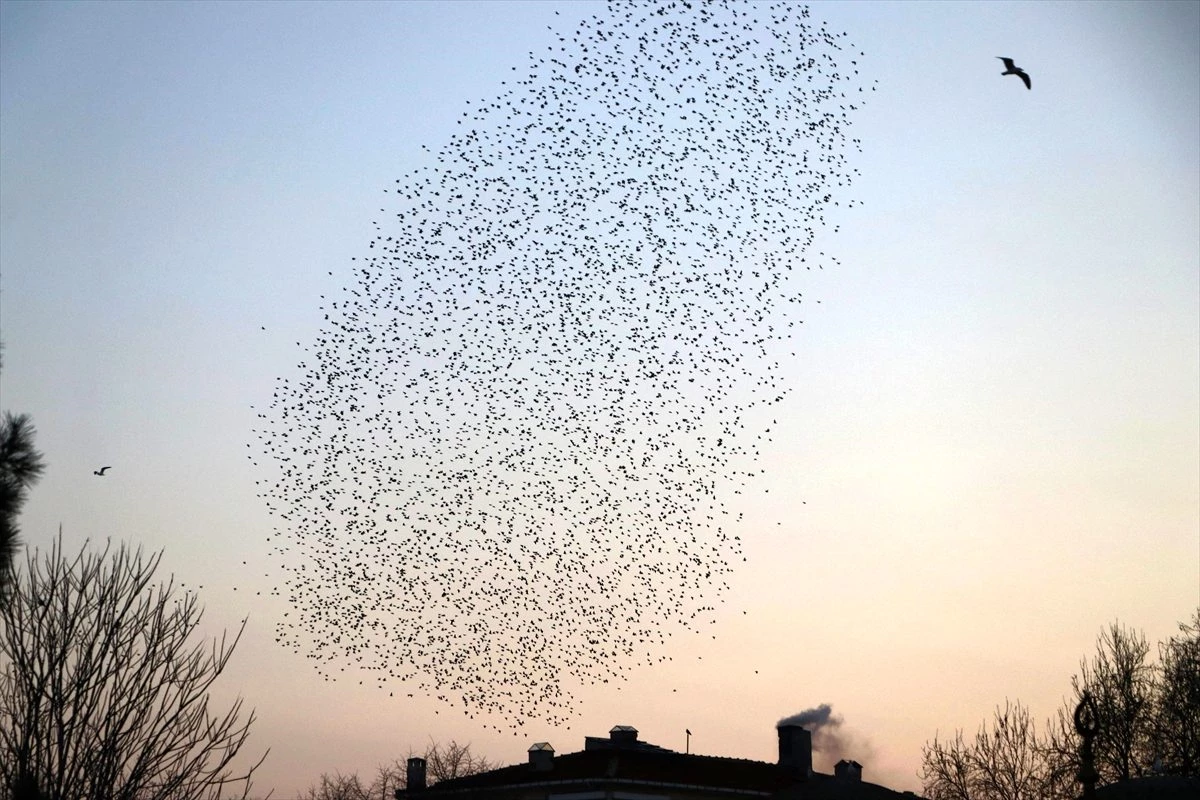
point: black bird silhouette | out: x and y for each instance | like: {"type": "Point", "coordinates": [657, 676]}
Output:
{"type": "Point", "coordinates": [1012, 69]}
{"type": "Point", "coordinates": [101, 471]}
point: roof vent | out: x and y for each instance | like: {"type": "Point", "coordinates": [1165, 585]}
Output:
{"type": "Point", "coordinates": [849, 770]}
{"type": "Point", "coordinates": [541, 757]}
{"type": "Point", "coordinates": [623, 734]}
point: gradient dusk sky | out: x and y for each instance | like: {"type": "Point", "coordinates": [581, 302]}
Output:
{"type": "Point", "coordinates": [990, 451]}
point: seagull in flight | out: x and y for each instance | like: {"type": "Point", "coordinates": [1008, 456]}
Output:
{"type": "Point", "coordinates": [101, 471]}
{"type": "Point", "coordinates": [1012, 69]}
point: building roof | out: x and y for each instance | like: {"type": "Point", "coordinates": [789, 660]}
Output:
{"type": "Point", "coordinates": [624, 762]}
{"type": "Point", "coordinates": [659, 769]}
{"type": "Point", "coordinates": [1156, 787]}
{"type": "Point", "coordinates": [825, 787]}
{"type": "Point", "coordinates": [634, 764]}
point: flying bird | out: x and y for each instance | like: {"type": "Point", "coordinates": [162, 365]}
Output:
{"type": "Point", "coordinates": [101, 471]}
{"type": "Point", "coordinates": [1012, 69]}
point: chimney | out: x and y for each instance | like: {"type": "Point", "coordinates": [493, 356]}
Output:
{"type": "Point", "coordinates": [795, 748]}
{"type": "Point", "coordinates": [623, 735]}
{"type": "Point", "coordinates": [416, 774]}
{"type": "Point", "coordinates": [849, 770]}
{"type": "Point", "coordinates": [541, 757]}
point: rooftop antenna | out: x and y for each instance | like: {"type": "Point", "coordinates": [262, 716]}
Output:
{"type": "Point", "coordinates": [688, 746]}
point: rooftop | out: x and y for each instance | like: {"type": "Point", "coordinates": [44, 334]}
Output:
{"type": "Point", "coordinates": [623, 761]}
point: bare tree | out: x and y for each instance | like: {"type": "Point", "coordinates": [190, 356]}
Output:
{"type": "Point", "coordinates": [1176, 718]}
{"type": "Point", "coordinates": [1003, 763]}
{"type": "Point", "coordinates": [104, 690]}
{"type": "Point", "coordinates": [1145, 714]}
{"type": "Point", "coordinates": [453, 760]}
{"type": "Point", "coordinates": [948, 769]}
{"type": "Point", "coordinates": [1008, 757]}
{"type": "Point", "coordinates": [442, 762]}
{"type": "Point", "coordinates": [339, 787]}
{"type": "Point", "coordinates": [1060, 750]}
{"type": "Point", "coordinates": [1148, 714]}
{"type": "Point", "coordinates": [389, 778]}
{"type": "Point", "coordinates": [1122, 684]}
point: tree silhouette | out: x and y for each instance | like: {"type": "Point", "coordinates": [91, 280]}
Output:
{"type": "Point", "coordinates": [104, 689]}
{"type": "Point", "coordinates": [20, 467]}
{"type": "Point", "coordinates": [341, 787]}
{"type": "Point", "coordinates": [1177, 703]}
{"type": "Point", "coordinates": [1002, 763]}
{"type": "Point", "coordinates": [442, 762]}
{"type": "Point", "coordinates": [1148, 719]}
{"type": "Point", "coordinates": [453, 760]}
{"type": "Point", "coordinates": [1122, 684]}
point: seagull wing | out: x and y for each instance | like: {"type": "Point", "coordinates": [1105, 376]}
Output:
{"type": "Point", "coordinates": [1008, 62]}
{"type": "Point", "coordinates": [1021, 74]}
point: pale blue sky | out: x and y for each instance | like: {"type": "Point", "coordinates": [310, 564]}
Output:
{"type": "Point", "coordinates": [992, 448]}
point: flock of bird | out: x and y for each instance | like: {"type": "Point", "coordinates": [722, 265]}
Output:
{"type": "Point", "coordinates": [503, 472]}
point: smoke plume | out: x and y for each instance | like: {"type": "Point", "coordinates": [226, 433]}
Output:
{"type": "Point", "coordinates": [828, 738]}
{"type": "Point", "coordinates": [813, 719]}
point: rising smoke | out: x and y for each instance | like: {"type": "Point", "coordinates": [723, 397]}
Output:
{"type": "Point", "coordinates": [828, 738]}
{"type": "Point", "coordinates": [813, 719]}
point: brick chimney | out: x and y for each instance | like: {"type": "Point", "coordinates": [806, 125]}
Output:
{"type": "Point", "coordinates": [541, 757]}
{"type": "Point", "coordinates": [416, 774]}
{"type": "Point", "coordinates": [795, 749]}
{"type": "Point", "coordinates": [848, 770]}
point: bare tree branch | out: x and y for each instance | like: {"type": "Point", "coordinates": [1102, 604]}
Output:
{"type": "Point", "coordinates": [104, 691]}
{"type": "Point", "coordinates": [1177, 702]}
{"type": "Point", "coordinates": [442, 762]}
{"type": "Point", "coordinates": [453, 760]}
{"type": "Point", "coordinates": [1122, 684]}
{"type": "Point", "coordinates": [1004, 762]}
{"type": "Point", "coordinates": [1148, 721]}
{"type": "Point", "coordinates": [947, 769]}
